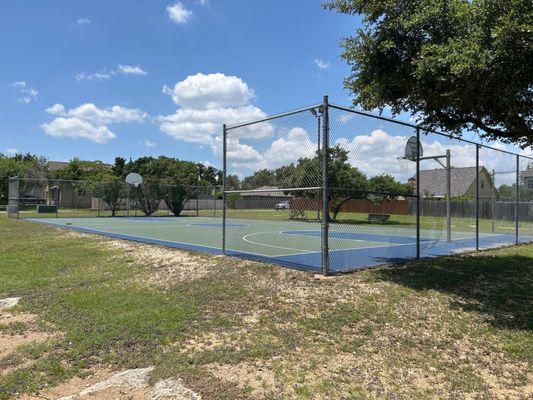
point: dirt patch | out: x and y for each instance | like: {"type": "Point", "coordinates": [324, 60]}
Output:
{"type": "Point", "coordinates": [259, 381]}
{"type": "Point", "coordinates": [9, 342]}
{"type": "Point", "coordinates": [166, 266]}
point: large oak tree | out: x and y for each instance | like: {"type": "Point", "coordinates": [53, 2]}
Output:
{"type": "Point", "coordinates": [455, 64]}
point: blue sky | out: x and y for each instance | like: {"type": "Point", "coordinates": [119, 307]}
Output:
{"type": "Point", "coordinates": [99, 79]}
{"type": "Point", "coordinates": [69, 53]}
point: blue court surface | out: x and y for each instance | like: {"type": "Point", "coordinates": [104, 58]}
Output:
{"type": "Point", "coordinates": [294, 244]}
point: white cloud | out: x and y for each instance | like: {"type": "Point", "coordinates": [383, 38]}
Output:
{"type": "Point", "coordinates": [377, 153]}
{"type": "Point", "coordinates": [78, 129]}
{"type": "Point", "coordinates": [89, 122]}
{"type": "Point", "coordinates": [56, 109]}
{"type": "Point", "coordinates": [206, 103]}
{"type": "Point", "coordinates": [210, 91]}
{"type": "Point", "coordinates": [97, 76]}
{"type": "Point", "coordinates": [26, 93]}
{"type": "Point", "coordinates": [12, 151]}
{"type": "Point", "coordinates": [106, 73]}
{"type": "Point", "coordinates": [321, 63]}
{"type": "Point", "coordinates": [149, 144]}
{"type": "Point", "coordinates": [18, 84]}
{"type": "Point", "coordinates": [83, 21]}
{"type": "Point", "coordinates": [131, 70]}
{"type": "Point", "coordinates": [200, 125]}
{"type": "Point", "coordinates": [287, 149]}
{"type": "Point", "coordinates": [238, 153]}
{"type": "Point", "coordinates": [100, 116]}
{"type": "Point", "coordinates": [178, 13]}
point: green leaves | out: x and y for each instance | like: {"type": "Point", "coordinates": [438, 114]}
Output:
{"type": "Point", "coordinates": [462, 65]}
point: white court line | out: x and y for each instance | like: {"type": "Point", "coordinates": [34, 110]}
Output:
{"type": "Point", "coordinates": [245, 238]}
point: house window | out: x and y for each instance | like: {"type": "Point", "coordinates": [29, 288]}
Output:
{"type": "Point", "coordinates": [482, 184]}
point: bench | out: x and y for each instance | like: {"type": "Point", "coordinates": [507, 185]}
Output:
{"type": "Point", "coordinates": [378, 218]}
{"type": "Point", "coordinates": [46, 209]}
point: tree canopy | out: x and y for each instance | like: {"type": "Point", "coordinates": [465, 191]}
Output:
{"type": "Point", "coordinates": [454, 64]}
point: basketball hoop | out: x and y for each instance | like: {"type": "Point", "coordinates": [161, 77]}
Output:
{"type": "Point", "coordinates": [134, 179]}
{"type": "Point", "coordinates": [411, 152]}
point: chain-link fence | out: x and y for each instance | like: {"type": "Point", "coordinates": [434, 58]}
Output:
{"type": "Point", "coordinates": [324, 188]}
{"type": "Point", "coordinates": [42, 198]}
{"type": "Point", "coordinates": [330, 189]}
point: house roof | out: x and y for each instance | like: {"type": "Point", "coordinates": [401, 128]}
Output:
{"type": "Point", "coordinates": [265, 191]}
{"type": "Point", "coordinates": [57, 165]}
{"type": "Point", "coordinates": [526, 174]}
{"type": "Point", "coordinates": [433, 182]}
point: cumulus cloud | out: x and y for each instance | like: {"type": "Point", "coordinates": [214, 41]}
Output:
{"type": "Point", "coordinates": [200, 125]}
{"type": "Point", "coordinates": [377, 153]}
{"type": "Point", "coordinates": [321, 63]}
{"type": "Point", "coordinates": [12, 151]}
{"type": "Point", "coordinates": [208, 101]}
{"type": "Point", "coordinates": [76, 128]}
{"type": "Point", "coordinates": [26, 94]}
{"type": "Point", "coordinates": [178, 13]}
{"type": "Point", "coordinates": [83, 21]}
{"type": "Point", "coordinates": [101, 116]}
{"type": "Point", "coordinates": [89, 122]}
{"type": "Point", "coordinates": [106, 73]}
{"type": "Point", "coordinates": [210, 91]}
{"type": "Point", "coordinates": [244, 158]}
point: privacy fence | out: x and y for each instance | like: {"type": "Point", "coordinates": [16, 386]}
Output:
{"type": "Point", "coordinates": [338, 193]}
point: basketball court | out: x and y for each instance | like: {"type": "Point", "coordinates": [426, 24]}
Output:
{"type": "Point", "coordinates": [290, 243]}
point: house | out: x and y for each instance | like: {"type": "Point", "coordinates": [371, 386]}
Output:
{"type": "Point", "coordinates": [527, 178]}
{"type": "Point", "coordinates": [56, 165]}
{"type": "Point", "coordinates": [463, 182]}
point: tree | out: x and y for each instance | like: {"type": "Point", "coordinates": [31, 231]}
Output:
{"type": "Point", "coordinates": [263, 177]}
{"type": "Point", "coordinates": [148, 195]}
{"type": "Point", "coordinates": [232, 182]}
{"type": "Point", "coordinates": [232, 199]}
{"type": "Point", "coordinates": [454, 64]}
{"type": "Point", "coordinates": [79, 170]}
{"type": "Point", "coordinates": [119, 167]}
{"type": "Point", "coordinates": [111, 192]}
{"type": "Point", "coordinates": [385, 187]}
{"type": "Point", "coordinates": [21, 165]}
{"type": "Point", "coordinates": [344, 181]}
{"type": "Point", "coordinates": [175, 197]}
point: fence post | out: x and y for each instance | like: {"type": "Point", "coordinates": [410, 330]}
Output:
{"type": "Point", "coordinates": [325, 188]}
{"type": "Point", "coordinates": [493, 201]}
{"type": "Point", "coordinates": [517, 197]}
{"type": "Point", "coordinates": [127, 199]}
{"type": "Point", "coordinates": [448, 196]}
{"type": "Point", "coordinates": [477, 197]}
{"type": "Point", "coordinates": [417, 193]}
{"type": "Point", "coordinates": [13, 197]}
{"type": "Point", "coordinates": [224, 134]}
{"type": "Point", "coordinates": [197, 201]}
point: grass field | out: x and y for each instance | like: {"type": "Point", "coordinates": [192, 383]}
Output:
{"type": "Point", "coordinates": [452, 327]}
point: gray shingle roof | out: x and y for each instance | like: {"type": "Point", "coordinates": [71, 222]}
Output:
{"type": "Point", "coordinates": [433, 181]}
